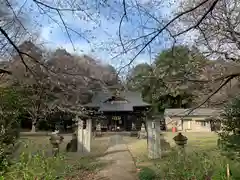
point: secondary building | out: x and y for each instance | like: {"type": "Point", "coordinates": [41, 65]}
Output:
{"type": "Point", "coordinates": [199, 120]}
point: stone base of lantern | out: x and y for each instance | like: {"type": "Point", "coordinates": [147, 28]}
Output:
{"type": "Point", "coordinates": [98, 133]}
{"type": "Point", "coordinates": [134, 133]}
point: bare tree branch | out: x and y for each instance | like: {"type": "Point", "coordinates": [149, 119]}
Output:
{"type": "Point", "coordinates": [172, 21]}
{"type": "Point", "coordinates": [55, 8]}
{"type": "Point", "coordinates": [213, 93]}
{"type": "Point", "coordinates": [3, 71]}
{"type": "Point", "coordinates": [64, 24]}
{"type": "Point", "coordinates": [201, 19]}
{"type": "Point", "coordinates": [15, 47]}
{"type": "Point", "coordinates": [60, 16]}
{"type": "Point", "coordinates": [14, 13]}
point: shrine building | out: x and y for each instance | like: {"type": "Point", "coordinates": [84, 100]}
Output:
{"type": "Point", "coordinates": [118, 110]}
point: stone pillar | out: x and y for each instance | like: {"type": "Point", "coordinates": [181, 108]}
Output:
{"type": "Point", "coordinates": [85, 139]}
{"type": "Point", "coordinates": [149, 139]}
{"type": "Point", "coordinates": [80, 135]}
{"type": "Point", "coordinates": [88, 135]}
{"type": "Point", "coordinates": [84, 136]}
{"type": "Point", "coordinates": [209, 126]}
{"type": "Point", "coordinates": [154, 146]}
{"type": "Point", "coordinates": [157, 132]}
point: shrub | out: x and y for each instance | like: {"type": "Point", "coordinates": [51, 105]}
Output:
{"type": "Point", "coordinates": [35, 166]}
{"type": "Point", "coordinates": [146, 174]}
{"type": "Point", "coordinates": [11, 105]}
{"type": "Point", "coordinates": [197, 165]}
{"type": "Point", "coordinates": [230, 135]}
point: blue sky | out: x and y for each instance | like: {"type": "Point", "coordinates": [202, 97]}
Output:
{"type": "Point", "coordinates": [98, 36]}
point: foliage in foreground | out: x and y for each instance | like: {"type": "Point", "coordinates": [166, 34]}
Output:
{"type": "Point", "coordinates": [196, 165]}
{"type": "Point", "coordinates": [230, 135]}
{"type": "Point", "coordinates": [36, 166]}
{"type": "Point", "coordinates": [41, 165]}
{"type": "Point", "coordinates": [11, 106]}
{"type": "Point", "coordinates": [146, 174]}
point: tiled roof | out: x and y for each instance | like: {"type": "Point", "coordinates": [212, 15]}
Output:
{"type": "Point", "coordinates": [196, 112]}
{"type": "Point", "coordinates": [116, 107]}
{"type": "Point", "coordinates": [134, 100]}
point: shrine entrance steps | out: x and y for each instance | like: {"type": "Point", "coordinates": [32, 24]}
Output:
{"type": "Point", "coordinates": [121, 165]}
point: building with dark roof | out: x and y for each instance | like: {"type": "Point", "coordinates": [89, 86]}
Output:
{"type": "Point", "coordinates": [118, 110]}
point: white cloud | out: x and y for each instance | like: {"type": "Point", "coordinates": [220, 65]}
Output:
{"type": "Point", "coordinates": [46, 33]}
{"type": "Point", "coordinates": [79, 48]}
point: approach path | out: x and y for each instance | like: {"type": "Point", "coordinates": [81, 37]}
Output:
{"type": "Point", "coordinates": [121, 165]}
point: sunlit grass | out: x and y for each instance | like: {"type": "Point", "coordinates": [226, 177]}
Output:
{"type": "Point", "coordinates": [202, 158]}
{"type": "Point", "coordinates": [138, 147]}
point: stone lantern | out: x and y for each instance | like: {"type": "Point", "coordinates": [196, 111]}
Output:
{"type": "Point", "coordinates": [55, 140]}
{"type": "Point", "coordinates": [98, 129]}
{"type": "Point", "coordinates": [180, 140]}
{"type": "Point", "coordinates": [142, 133]}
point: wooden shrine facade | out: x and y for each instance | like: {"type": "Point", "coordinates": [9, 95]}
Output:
{"type": "Point", "coordinates": [118, 111]}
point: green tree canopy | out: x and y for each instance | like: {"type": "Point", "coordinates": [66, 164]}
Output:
{"type": "Point", "coordinates": [165, 83]}
{"type": "Point", "coordinates": [12, 104]}
{"type": "Point", "coordinates": [175, 67]}
{"type": "Point", "coordinates": [230, 135]}
{"type": "Point", "coordinates": [137, 76]}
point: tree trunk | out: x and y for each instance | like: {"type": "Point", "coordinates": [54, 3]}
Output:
{"type": "Point", "coordinates": [33, 126]}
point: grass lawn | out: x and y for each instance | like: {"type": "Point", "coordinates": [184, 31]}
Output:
{"type": "Point", "coordinates": [35, 157]}
{"type": "Point", "coordinates": [202, 157]}
{"type": "Point", "coordinates": [33, 143]}
{"type": "Point", "coordinates": [195, 141]}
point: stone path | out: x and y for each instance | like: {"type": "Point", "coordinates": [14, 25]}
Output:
{"type": "Point", "coordinates": [121, 165]}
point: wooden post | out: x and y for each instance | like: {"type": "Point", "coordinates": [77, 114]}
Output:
{"type": "Point", "coordinates": [228, 172]}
